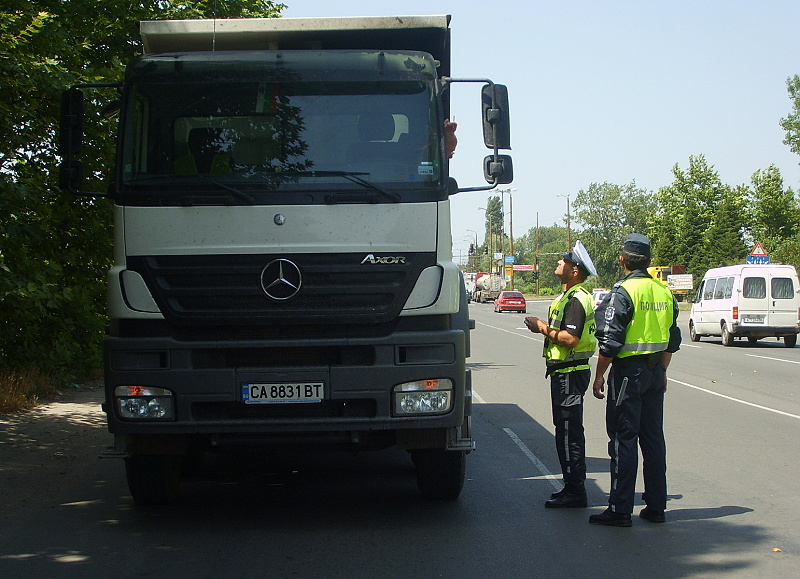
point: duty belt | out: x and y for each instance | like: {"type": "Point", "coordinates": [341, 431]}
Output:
{"type": "Point", "coordinates": [651, 360]}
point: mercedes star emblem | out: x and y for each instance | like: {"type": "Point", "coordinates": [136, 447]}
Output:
{"type": "Point", "coordinates": [281, 279]}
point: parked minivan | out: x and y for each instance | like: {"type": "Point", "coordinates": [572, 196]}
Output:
{"type": "Point", "coordinates": [752, 301]}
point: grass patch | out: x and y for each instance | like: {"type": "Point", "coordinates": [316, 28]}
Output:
{"type": "Point", "coordinates": [20, 390]}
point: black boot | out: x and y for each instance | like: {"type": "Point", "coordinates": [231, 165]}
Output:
{"type": "Point", "coordinates": [568, 498]}
{"type": "Point", "coordinates": [653, 515]}
{"type": "Point", "coordinates": [609, 518]}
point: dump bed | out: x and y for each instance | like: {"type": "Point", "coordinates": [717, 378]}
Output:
{"type": "Point", "coordinates": [429, 34]}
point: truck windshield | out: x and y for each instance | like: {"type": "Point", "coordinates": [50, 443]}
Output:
{"type": "Point", "coordinates": [263, 138]}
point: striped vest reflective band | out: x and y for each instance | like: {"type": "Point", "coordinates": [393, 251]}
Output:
{"type": "Point", "coordinates": [648, 330]}
{"type": "Point", "coordinates": [561, 356]}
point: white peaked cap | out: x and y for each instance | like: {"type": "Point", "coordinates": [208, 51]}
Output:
{"type": "Point", "coordinates": [580, 257]}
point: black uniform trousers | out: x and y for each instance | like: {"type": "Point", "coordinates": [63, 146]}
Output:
{"type": "Point", "coordinates": [566, 394]}
{"type": "Point", "coordinates": [635, 415]}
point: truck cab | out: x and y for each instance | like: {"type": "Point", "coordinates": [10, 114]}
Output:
{"type": "Point", "coordinates": [283, 270]}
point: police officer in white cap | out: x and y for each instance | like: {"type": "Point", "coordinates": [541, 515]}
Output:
{"type": "Point", "coordinates": [568, 346]}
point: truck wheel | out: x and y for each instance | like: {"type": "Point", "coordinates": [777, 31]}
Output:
{"type": "Point", "coordinates": [440, 473]}
{"type": "Point", "coordinates": [693, 333]}
{"type": "Point", "coordinates": [790, 341]}
{"type": "Point", "coordinates": [153, 479]}
{"type": "Point", "coordinates": [727, 337]}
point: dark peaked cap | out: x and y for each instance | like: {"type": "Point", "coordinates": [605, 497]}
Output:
{"type": "Point", "coordinates": [638, 244]}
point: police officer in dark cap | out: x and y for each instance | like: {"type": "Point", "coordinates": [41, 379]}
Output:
{"type": "Point", "coordinates": [637, 333]}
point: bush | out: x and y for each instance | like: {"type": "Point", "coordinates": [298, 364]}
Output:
{"type": "Point", "coordinates": [23, 389]}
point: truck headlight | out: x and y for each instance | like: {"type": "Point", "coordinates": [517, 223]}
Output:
{"type": "Point", "coordinates": [144, 403]}
{"type": "Point", "coordinates": [423, 397]}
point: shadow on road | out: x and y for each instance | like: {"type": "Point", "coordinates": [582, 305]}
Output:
{"type": "Point", "coordinates": [336, 515]}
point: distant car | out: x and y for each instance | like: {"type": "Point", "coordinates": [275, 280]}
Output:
{"type": "Point", "coordinates": [510, 302]}
{"type": "Point", "coordinates": [598, 295]}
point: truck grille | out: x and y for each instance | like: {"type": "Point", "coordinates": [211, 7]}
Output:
{"type": "Point", "coordinates": [227, 289]}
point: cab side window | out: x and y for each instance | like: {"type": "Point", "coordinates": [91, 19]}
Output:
{"type": "Point", "coordinates": [782, 288]}
{"type": "Point", "coordinates": [727, 289]}
{"type": "Point", "coordinates": [708, 293]}
{"type": "Point", "coordinates": [754, 288]}
{"type": "Point", "coordinates": [699, 296]}
{"type": "Point", "coordinates": [719, 291]}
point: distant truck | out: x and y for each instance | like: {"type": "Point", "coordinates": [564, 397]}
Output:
{"type": "Point", "coordinates": [283, 274]}
{"type": "Point", "coordinates": [469, 284]}
{"type": "Point", "coordinates": [488, 286]}
{"type": "Point", "coordinates": [675, 278]}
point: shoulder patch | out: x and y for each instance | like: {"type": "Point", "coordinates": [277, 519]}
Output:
{"type": "Point", "coordinates": [610, 311]}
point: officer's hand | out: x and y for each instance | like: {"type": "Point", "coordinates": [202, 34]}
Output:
{"type": "Point", "coordinates": [597, 387]}
{"type": "Point", "coordinates": [532, 323]}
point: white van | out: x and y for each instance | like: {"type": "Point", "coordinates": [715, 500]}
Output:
{"type": "Point", "coordinates": [752, 301]}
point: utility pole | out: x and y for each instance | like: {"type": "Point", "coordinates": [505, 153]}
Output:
{"type": "Point", "coordinates": [490, 240]}
{"type": "Point", "coordinates": [474, 253]}
{"type": "Point", "coordinates": [569, 236]}
{"type": "Point", "coordinates": [536, 266]}
{"type": "Point", "coordinates": [510, 226]}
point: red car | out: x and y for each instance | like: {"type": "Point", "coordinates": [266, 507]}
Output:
{"type": "Point", "coordinates": [510, 302]}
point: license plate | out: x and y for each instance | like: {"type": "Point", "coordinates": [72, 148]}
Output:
{"type": "Point", "coordinates": [753, 319]}
{"type": "Point", "coordinates": [282, 393]}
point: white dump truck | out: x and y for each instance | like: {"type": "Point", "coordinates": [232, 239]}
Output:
{"type": "Point", "coordinates": [283, 272]}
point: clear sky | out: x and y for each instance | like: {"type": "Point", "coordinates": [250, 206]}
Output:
{"type": "Point", "coordinates": [610, 91]}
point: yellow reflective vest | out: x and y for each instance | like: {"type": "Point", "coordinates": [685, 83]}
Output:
{"type": "Point", "coordinates": [561, 359]}
{"type": "Point", "coordinates": [648, 330]}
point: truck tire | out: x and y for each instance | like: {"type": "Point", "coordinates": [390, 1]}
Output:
{"type": "Point", "coordinates": [727, 337]}
{"type": "Point", "coordinates": [153, 479]}
{"type": "Point", "coordinates": [693, 333]}
{"type": "Point", "coordinates": [440, 473]}
{"type": "Point", "coordinates": [790, 341]}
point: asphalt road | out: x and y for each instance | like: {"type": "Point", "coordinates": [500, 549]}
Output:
{"type": "Point", "coordinates": [732, 423]}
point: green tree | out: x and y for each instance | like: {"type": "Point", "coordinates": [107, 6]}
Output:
{"type": "Point", "coordinates": [788, 251]}
{"type": "Point", "coordinates": [543, 248]}
{"type": "Point", "coordinates": [608, 214]}
{"type": "Point", "coordinates": [494, 237]}
{"type": "Point", "coordinates": [55, 250]}
{"type": "Point", "coordinates": [774, 210]}
{"type": "Point", "coordinates": [723, 241]}
{"type": "Point", "coordinates": [791, 124]}
{"type": "Point", "coordinates": [692, 213]}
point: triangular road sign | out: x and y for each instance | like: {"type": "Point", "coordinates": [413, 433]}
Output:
{"type": "Point", "coordinates": [758, 249]}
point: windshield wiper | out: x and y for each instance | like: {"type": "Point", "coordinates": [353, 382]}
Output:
{"type": "Point", "coordinates": [350, 176]}
{"type": "Point", "coordinates": [195, 198]}
{"type": "Point", "coordinates": [240, 194]}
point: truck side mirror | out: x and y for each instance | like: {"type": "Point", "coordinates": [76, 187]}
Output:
{"type": "Point", "coordinates": [499, 171]}
{"type": "Point", "coordinates": [71, 129]}
{"type": "Point", "coordinates": [496, 126]}
{"type": "Point", "coordinates": [70, 140]}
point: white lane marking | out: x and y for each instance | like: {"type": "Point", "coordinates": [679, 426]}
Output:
{"type": "Point", "coordinates": [690, 346]}
{"type": "Point", "coordinates": [684, 383]}
{"type": "Point", "coordinates": [534, 459]}
{"type": "Point", "coordinates": [731, 398]}
{"type": "Point", "coordinates": [477, 398]}
{"type": "Point", "coordinates": [509, 331]}
{"type": "Point", "coordinates": [775, 359]}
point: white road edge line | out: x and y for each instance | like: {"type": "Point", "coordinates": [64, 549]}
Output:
{"type": "Point", "coordinates": [775, 359]}
{"type": "Point", "coordinates": [735, 399]}
{"type": "Point", "coordinates": [534, 459]}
